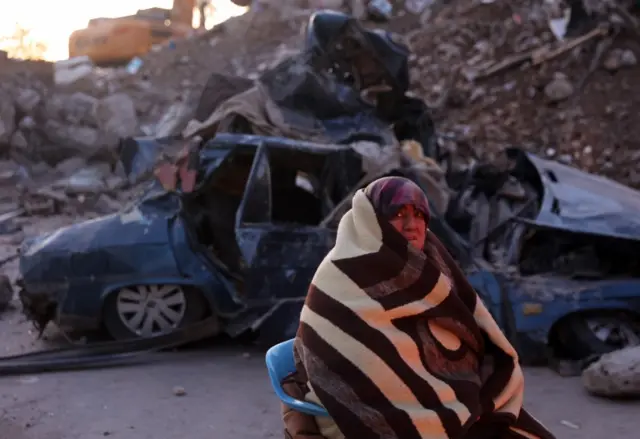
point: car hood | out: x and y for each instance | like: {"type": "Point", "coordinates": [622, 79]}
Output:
{"type": "Point", "coordinates": [576, 201]}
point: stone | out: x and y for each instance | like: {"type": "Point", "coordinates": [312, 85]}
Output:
{"type": "Point", "coordinates": [559, 89]}
{"type": "Point", "coordinates": [70, 165]}
{"type": "Point", "coordinates": [616, 374]}
{"type": "Point", "coordinates": [7, 117]}
{"type": "Point", "coordinates": [19, 141]}
{"type": "Point", "coordinates": [76, 108]}
{"type": "Point", "coordinates": [116, 114]}
{"type": "Point", "coordinates": [173, 120]}
{"type": "Point", "coordinates": [628, 58]}
{"type": "Point", "coordinates": [179, 391]}
{"type": "Point", "coordinates": [27, 100]}
{"type": "Point", "coordinates": [68, 71]}
{"type": "Point", "coordinates": [619, 58]}
{"type": "Point", "coordinates": [72, 136]}
{"type": "Point", "coordinates": [84, 181]}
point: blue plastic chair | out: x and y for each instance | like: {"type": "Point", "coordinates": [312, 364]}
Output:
{"type": "Point", "coordinates": [280, 363]}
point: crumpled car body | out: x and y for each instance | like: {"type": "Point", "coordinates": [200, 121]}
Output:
{"type": "Point", "coordinates": [565, 275]}
{"type": "Point", "coordinates": [262, 215]}
{"type": "Point", "coordinates": [168, 238]}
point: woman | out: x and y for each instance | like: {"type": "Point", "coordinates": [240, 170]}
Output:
{"type": "Point", "coordinates": [394, 342]}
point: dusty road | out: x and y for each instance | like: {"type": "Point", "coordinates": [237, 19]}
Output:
{"type": "Point", "coordinates": [227, 396]}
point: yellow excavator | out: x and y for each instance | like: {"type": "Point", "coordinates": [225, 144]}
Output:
{"type": "Point", "coordinates": [115, 41]}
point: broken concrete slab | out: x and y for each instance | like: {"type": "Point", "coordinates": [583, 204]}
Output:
{"type": "Point", "coordinates": [615, 375]}
{"type": "Point", "coordinates": [116, 114]}
{"type": "Point", "coordinates": [68, 71]}
{"type": "Point", "coordinates": [81, 138]}
{"type": "Point", "coordinates": [27, 100]}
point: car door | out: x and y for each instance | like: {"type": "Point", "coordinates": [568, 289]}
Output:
{"type": "Point", "coordinates": [280, 259]}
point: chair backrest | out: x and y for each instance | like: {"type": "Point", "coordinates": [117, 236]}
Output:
{"type": "Point", "coordinates": [280, 363]}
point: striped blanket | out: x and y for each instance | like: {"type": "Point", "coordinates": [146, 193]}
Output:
{"type": "Point", "coordinates": [395, 349]}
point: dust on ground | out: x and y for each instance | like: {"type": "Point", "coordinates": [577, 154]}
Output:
{"type": "Point", "coordinates": [227, 394]}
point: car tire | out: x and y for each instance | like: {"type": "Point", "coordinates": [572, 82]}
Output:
{"type": "Point", "coordinates": [186, 305]}
{"type": "Point", "coordinates": [580, 335]}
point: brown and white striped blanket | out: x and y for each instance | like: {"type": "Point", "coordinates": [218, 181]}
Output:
{"type": "Point", "coordinates": [395, 349]}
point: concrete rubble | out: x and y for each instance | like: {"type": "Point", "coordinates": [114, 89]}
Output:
{"type": "Point", "coordinates": [615, 375]}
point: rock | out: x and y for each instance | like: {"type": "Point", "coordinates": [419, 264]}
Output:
{"type": "Point", "coordinates": [7, 117]}
{"type": "Point", "coordinates": [27, 100]}
{"type": "Point", "coordinates": [616, 374]}
{"type": "Point", "coordinates": [70, 165]}
{"type": "Point", "coordinates": [27, 123]}
{"type": "Point", "coordinates": [19, 141]}
{"type": "Point", "coordinates": [173, 121]}
{"type": "Point", "coordinates": [68, 71]}
{"type": "Point", "coordinates": [559, 89]}
{"type": "Point", "coordinates": [116, 114]}
{"type": "Point", "coordinates": [628, 58]}
{"type": "Point", "coordinates": [76, 108]}
{"type": "Point", "coordinates": [84, 181]}
{"type": "Point", "coordinates": [71, 136]}
{"type": "Point", "coordinates": [179, 391]}
{"type": "Point", "coordinates": [6, 291]}
{"type": "Point", "coordinates": [619, 58]}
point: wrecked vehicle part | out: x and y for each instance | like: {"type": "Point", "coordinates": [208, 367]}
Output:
{"type": "Point", "coordinates": [367, 57]}
{"type": "Point", "coordinates": [130, 248]}
{"type": "Point", "coordinates": [171, 238]}
{"type": "Point", "coordinates": [551, 312]}
{"type": "Point", "coordinates": [138, 156]}
{"type": "Point", "coordinates": [579, 202]}
{"type": "Point", "coordinates": [557, 275]}
{"type": "Point", "coordinates": [257, 201]}
{"type": "Point", "coordinates": [371, 60]}
{"type": "Point", "coordinates": [316, 102]}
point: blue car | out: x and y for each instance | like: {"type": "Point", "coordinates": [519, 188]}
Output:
{"type": "Point", "coordinates": [238, 231]}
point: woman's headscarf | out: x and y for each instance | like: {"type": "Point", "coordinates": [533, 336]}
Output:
{"type": "Point", "coordinates": [392, 346]}
{"type": "Point", "coordinates": [389, 194]}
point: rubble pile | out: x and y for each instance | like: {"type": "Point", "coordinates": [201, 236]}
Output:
{"type": "Point", "coordinates": [494, 72]}
{"type": "Point", "coordinates": [58, 144]}
{"type": "Point", "coordinates": [496, 75]}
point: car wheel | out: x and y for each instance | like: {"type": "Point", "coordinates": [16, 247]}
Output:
{"type": "Point", "coordinates": [143, 311]}
{"type": "Point", "coordinates": [581, 336]}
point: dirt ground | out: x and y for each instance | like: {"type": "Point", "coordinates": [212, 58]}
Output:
{"type": "Point", "coordinates": [227, 396]}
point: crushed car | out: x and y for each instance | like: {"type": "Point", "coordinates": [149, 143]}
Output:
{"type": "Point", "coordinates": [548, 248]}
{"type": "Point", "coordinates": [235, 227]}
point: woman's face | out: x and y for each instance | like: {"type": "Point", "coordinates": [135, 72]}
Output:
{"type": "Point", "coordinates": [410, 222]}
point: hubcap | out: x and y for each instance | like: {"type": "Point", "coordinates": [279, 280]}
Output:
{"type": "Point", "coordinates": [615, 332]}
{"type": "Point", "coordinates": [149, 310]}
